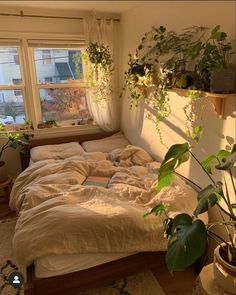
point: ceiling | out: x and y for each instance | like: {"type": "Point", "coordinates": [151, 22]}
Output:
{"type": "Point", "coordinates": [101, 6]}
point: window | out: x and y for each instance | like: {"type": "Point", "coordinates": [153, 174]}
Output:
{"type": "Point", "coordinates": [66, 98]}
{"type": "Point", "coordinates": [46, 56]}
{"type": "Point", "coordinates": [12, 110]}
{"type": "Point", "coordinates": [15, 56]}
{"type": "Point", "coordinates": [48, 79]}
{"type": "Point", "coordinates": [49, 85]}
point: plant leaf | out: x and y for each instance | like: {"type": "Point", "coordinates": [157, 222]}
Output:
{"type": "Point", "coordinates": [187, 242]}
{"type": "Point", "coordinates": [158, 210]}
{"type": "Point", "coordinates": [176, 155]}
{"type": "Point", "coordinates": [208, 197]}
{"type": "Point", "coordinates": [228, 159]}
{"type": "Point", "coordinates": [165, 181]}
{"type": "Point", "coordinates": [208, 162]}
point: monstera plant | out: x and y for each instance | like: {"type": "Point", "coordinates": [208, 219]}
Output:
{"type": "Point", "coordinates": [187, 234]}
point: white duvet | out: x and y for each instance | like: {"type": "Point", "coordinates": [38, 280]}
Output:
{"type": "Point", "coordinates": [58, 215]}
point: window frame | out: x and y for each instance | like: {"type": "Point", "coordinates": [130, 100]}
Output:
{"type": "Point", "coordinates": [37, 86]}
{"type": "Point", "coordinates": [18, 44]}
{"type": "Point", "coordinates": [30, 89]}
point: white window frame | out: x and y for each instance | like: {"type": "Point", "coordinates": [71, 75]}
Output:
{"type": "Point", "coordinates": [31, 88]}
{"type": "Point", "coordinates": [16, 43]}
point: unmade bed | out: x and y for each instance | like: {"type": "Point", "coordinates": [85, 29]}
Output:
{"type": "Point", "coordinates": [65, 226]}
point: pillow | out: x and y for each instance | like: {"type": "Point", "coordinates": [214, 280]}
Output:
{"type": "Point", "coordinates": [106, 145]}
{"type": "Point", "coordinates": [56, 151]}
{"type": "Point", "coordinates": [130, 156]}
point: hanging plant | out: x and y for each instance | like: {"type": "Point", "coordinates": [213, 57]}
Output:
{"type": "Point", "coordinates": [99, 70]}
{"type": "Point", "coordinates": [163, 60]}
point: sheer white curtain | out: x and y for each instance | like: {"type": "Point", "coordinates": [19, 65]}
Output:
{"type": "Point", "coordinates": [106, 112]}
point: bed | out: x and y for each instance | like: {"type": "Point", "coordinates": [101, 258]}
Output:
{"type": "Point", "coordinates": [87, 236]}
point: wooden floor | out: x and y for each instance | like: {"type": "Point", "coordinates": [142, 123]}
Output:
{"type": "Point", "coordinates": [181, 283]}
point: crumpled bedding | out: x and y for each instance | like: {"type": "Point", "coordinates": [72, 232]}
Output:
{"type": "Point", "coordinates": [58, 215]}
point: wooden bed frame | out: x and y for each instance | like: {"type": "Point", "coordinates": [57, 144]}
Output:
{"type": "Point", "coordinates": [94, 277]}
{"type": "Point", "coordinates": [97, 276]}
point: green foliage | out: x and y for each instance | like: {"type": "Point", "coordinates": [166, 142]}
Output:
{"type": "Point", "coordinates": [208, 197]}
{"type": "Point", "coordinates": [158, 210]}
{"type": "Point", "coordinates": [99, 70]}
{"type": "Point", "coordinates": [183, 247]}
{"type": "Point", "coordinates": [164, 59]}
{"type": "Point", "coordinates": [184, 230]}
{"type": "Point", "coordinates": [176, 155]}
{"type": "Point", "coordinates": [14, 140]}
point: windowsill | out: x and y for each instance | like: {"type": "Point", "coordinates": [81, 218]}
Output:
{"type": "Point", "coordinates": [65, 131]}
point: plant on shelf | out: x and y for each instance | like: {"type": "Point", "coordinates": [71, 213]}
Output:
{"type": "Point", "coordinates": [187, 234]}
{"type": "Point", "coordinates": [14, 140]}
{"type": "Point", "coordinates": [99, 70]}
{"type": "Point", "coordinates": [212, 57]}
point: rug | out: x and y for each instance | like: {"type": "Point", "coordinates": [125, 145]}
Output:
{"type": "Point", "coordinates": [141, 284]}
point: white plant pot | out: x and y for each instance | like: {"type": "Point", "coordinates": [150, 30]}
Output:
{"type": "Point", "coordinates": [3, 172]}
{"type": "Point", "coordinates": [224, 273]}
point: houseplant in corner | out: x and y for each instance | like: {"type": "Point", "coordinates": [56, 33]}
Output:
{"type": "Point", "coordinates": [187, 234]}
{"type": "Point", "coordinates": [13, 140]}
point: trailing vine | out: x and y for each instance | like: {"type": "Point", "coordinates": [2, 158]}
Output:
{"type": "Point", "coordinates": [99, 70]}
{"type": "Point", "coordinates": [165, 59]}
{"type": "Point", "coordinates": [194, 131]}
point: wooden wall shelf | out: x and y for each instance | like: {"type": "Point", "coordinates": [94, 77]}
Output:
{"type": "Point", "coordinates": [217, 99]}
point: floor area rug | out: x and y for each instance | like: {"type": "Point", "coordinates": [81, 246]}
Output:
{"type": "Point", "coordinates": [141, 284]}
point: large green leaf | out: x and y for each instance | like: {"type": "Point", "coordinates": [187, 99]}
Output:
{"type": "Point", "coordinates": [187, 242]}
{"type": "Point", "coordinates": [208, 197]}
{"type": "Point", "coordinates": [176, 155]}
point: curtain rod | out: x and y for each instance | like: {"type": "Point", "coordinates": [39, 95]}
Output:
{"type": "Point", "coordinates": [21, 14]}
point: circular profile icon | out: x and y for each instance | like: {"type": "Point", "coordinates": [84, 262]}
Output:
{"type": "Point", "coordinates": [16, 279]}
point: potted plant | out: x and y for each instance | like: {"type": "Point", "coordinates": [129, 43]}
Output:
{"type": "Point", "coordinates": [99, 70]}
{"type": "Point", "coordinates": [212, 57]}
{"type": "Point", "coordinates": [14, 140]}
{"type": "Point", "coordinates": [187, 234]}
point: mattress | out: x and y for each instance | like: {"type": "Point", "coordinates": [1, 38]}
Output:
{"type": "Point", "coordinates": [54, 265]}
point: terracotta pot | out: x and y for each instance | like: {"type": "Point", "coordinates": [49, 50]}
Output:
{"type": "Point", "coordinates": [224, 273]}
{"type": "Point", "coordinates": [3, 172]}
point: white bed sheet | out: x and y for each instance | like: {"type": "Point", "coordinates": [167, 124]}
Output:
{"type": "Point", "coordinates": [55, 265]}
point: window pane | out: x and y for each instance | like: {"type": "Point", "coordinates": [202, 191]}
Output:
{"type": "Point", "coordinates": [58, 65]}
{"type": "Point", "coordinates": [9, 66]}
{"type": "Point", "coordinates": [61, 104]}
{"type": "Point", "coordinates": [11, 107]}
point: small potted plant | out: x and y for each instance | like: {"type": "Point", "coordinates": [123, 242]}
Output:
{"type": "Point", "coordinates": [14, 140]}
{"type": "Point", "coordinates": [187, 234]}
{"type": "Point", "coordinates": [213, 61]}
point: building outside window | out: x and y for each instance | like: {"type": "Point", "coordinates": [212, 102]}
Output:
{"type": "Point", "coordinates": [12, 110]}
{"type": "Point", "coordinates": [55, 81]}
{"type": "Point", "coordinates": [46, 56]}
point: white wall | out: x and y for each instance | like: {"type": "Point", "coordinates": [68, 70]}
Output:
{"type": "Point", "coordinates": [177, 15]}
